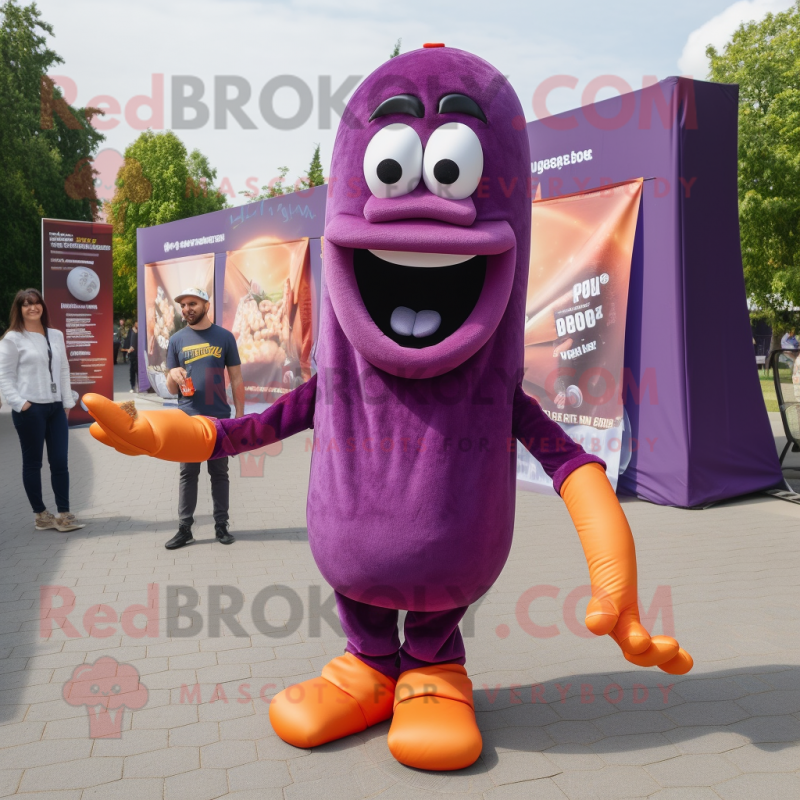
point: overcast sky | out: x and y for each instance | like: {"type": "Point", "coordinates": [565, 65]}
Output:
{"type": "Point", "coordinates": [120, 48]}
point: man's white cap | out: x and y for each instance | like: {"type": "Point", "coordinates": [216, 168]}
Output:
{"type": "Point", "coordinates": [193, 292]}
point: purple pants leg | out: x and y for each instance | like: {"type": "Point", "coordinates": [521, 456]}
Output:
{"type": "Point", "coordinates": [431, 637]}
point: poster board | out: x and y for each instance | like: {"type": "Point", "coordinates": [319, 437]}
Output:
{"type": "Point", "coordinates": [78, 287]}
{"type": "Point", "coordinates": [575, 315]}
{"type": "Point", "coordinates": [267, 305]}
{"type": "Point", "coordinates": [163, 280]}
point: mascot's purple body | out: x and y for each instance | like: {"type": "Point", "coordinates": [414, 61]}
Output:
{"type": "Point", "coordinates": [417, 403]}
{"type": "Point", "coordinates": [416, 407]}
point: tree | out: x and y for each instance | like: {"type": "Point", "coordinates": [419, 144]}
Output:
{"type": "Point", "coordinates": [762, 59]}
{"type": "Point", "coordinates": [46, 147]}
{"type": "Point", "coordinates": [315, 176]}
{"type": "Point", "coordinates": [159, 182]}
{"type": "Point", "coordinates": [396, 50]}
{"type": "Point", "coordinates": [277, 186]}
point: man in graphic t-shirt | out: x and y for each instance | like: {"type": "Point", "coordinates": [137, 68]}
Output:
{"type": "Point", "coordinates": [202, 352]}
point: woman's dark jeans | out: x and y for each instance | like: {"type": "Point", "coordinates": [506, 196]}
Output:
{"type": "Point", "coordinates": [44, 422]}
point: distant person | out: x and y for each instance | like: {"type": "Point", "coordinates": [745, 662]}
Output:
{"type": "Point", "coordinates": [202, 352]}
{"type": "Point", "coordinates": [34, 379]}
{"type": "Point", "coordinates": [789, 341]}
{"type": "Point", "coordinates": [132, 349]}
{"type": "Point", "coordinates": [119, 338]}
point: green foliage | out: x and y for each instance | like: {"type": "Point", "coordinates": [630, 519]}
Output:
{"type": "Point", "coordinates": [763, 59]}
{"type": "Point", "coordinates": [46, 147]}
{"type": "Point", "coordinates": [315, 176]}
{"type": "Point", "coordinates": [277, 186]}
{"type": "Point", "coordinates": [159, 182]}
{"type": "Point", "coordinates": [396, 50]}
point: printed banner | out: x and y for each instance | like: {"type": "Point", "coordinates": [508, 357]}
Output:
{"type": "Point", "coordinates": [577, 303]}
{"type": "Point", "coordinates": [77, 284]}
{"type": "Point", "coordinates": [163, 280]}
{"type": "Point", "coordinates": [267, 306]}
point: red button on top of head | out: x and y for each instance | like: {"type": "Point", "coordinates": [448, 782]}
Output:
{"type": "Point", "coordinates": [433, 44]}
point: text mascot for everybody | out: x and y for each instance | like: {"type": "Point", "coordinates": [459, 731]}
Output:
{"type": "Point", "coordinates": [415, 402]}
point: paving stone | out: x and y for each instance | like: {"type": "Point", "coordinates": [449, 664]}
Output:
{"type": "Point", "coordinates": [252, 728]}
{"type": "Point", "coordinates": [81, 773]}
{"type": "Point", "coordinates": [22, 732]}
{"type": "Point", "coordinates": [131, 743]}
{"type": "Point", "coordinates": [163, 764]}
{"type": "Point", "coordinates": [723, 712]}
{"type": "Point", "coordinates": [259, 774]}
{"type": "Point", "coordinates": [705, 739]}
{"type": "Point", "coordinates": [227, 753]}
{"type": "Point", "coordinates": [573, 731]}
{"type": "Point", "coordinates": [639, 749]}
{"type": "Point", "coordinates": [544, 789]}
{"type": "Point", "coordinates": [685, 793]}
{"type": "Point", "coordinates": [760, 787]}
{"type": "Point", "coordinates": [274, 749]}
{"type": "Point", "coordinates": [195, 735]}
{"type": "Point", "coordinates": [693, 770]}
{"type": "Point", "coordinates": [127, 789]}
{"type": "Point", "coordinates": [329, 759]}
{"type": "Point", "coordinates": [9, 780]}
{"type": "Point", "coordinates": [39, 754]}
{"type": "Point", "coordinates": [611, 783]}
{"type": "Point", "coordinates": [200, 784]}
{"type": "Point", "coordinates": [769, 729]}
{"type": "Point", "coordinates": [164, 717]}
{"type": "Point", "coordinates": [766, 758]}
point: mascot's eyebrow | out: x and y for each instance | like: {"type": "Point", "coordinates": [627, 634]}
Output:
{"type": "Point", "coordinates": [461, 104]}
{"type": "Point", "coordinates": [400, 104]}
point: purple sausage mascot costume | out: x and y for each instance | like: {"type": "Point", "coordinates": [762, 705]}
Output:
{"type": "Point", "coordinates": [416, 406]}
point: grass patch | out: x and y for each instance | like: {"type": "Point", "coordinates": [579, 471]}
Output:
{"type": "Point", "coordinates": [768, 386]}
{"type": "Point", "coordinates": [770, 398]}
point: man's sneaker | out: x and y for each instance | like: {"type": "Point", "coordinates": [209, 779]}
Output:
{"type": "Point", "coordinates": [67, 522]}
{"type": "Point", "coordinates": [44, 520]}
{"type": "Point", "coordinates": [223, 537]}
{"type": "Point", "coordinates": [181, 538]}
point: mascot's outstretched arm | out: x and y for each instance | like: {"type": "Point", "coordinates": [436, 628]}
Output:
{"type": "Point", "coordinates": [610, 553]}
{"type": "Point", "coordinates": [605, 535]}
{"type": "Point", "coordinates": [175, 436]}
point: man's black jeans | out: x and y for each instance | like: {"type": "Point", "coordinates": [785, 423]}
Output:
{"type": "Point", "coordinates": [220, 491]}
{"type": "Point", "coordinates": [44, 423]}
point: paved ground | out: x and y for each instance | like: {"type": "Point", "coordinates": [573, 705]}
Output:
{"type": "Point", "coordinates": [604, 730]}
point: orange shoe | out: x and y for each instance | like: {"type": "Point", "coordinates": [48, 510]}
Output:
{"type": "Point", "coordinates": [348, 698]}
{"type": "Point", "coordinates": [434, 723]}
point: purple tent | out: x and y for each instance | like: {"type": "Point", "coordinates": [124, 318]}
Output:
{"type": "Point", "coordinates": [692, 393]}
{"type": "Point", "coordinates": [278, 219]}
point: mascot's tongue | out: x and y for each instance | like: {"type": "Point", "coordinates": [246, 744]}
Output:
{"type": "Point", "coordinates": [405, 322]}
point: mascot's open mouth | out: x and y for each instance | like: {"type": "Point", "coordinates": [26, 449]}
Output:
{"type": "Point", "coordinates": [412, 300]}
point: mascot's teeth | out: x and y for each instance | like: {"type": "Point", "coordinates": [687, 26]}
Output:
{"type": "Point", "coordinates": [408, 259]}
{"type": "Point", "coordinates": [406, 322]}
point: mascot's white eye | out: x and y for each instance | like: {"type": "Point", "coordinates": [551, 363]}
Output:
{"type": "Point", "coordinates": [393, 161]}
{"type": "Point", "coordinates": [453, 161]}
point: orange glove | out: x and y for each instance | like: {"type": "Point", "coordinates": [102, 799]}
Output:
{"type": "Point", "coordinates": [610, 553]}
{"type": "Point", "coordinates": [168, 435]}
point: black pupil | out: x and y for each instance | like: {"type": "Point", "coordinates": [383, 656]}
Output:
{"type": "Point", "coordinates": [389, 171]}
{"type": "Point", "coordinates": [445, 171]}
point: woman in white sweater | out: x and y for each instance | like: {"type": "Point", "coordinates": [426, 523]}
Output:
{"type": "Point", "coordinates": [34, 379]}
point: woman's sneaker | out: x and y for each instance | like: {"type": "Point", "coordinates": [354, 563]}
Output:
{"type": "Point", "coordinates": [44, 521]}
{"type": "Point", "coordinates": [67, 522]}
